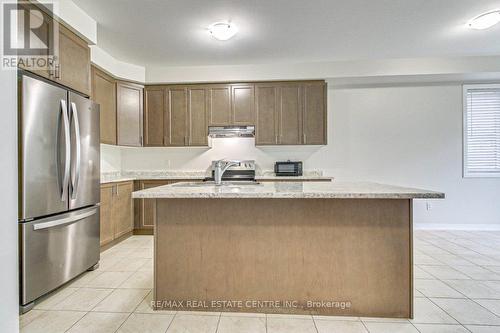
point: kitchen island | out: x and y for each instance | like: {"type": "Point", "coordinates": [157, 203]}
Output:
{"type": "Point", "coordinates": [331, 248]}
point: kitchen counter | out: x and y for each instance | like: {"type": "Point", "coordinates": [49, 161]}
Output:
{"type": "Point", "coordinates": [324, 248]}
{"type": "Point", "coordinates": [298, 190]}
{"type": "Point", "coordinates": [112, 177]}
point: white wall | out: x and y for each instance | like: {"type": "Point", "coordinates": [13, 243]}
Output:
{"type": "Point", "coordinates": [194, 158]}
{"type": "Point", "coordinates": [416, 69]}
{"type": "Point", "coordinates": [406, 135]}
{"type": "Point", "coordinates": [117, 68]}
{"type": "Point", "coordinates": [9, 304]}
{"type": "Point", "coordinates": [76, 18]}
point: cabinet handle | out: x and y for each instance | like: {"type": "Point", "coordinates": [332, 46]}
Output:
{"type": "Point", "coordinates": [141, 139]}
{"type": "Point", "coordinates": [52, 69]}
{"type": "Point", "coordinates": [276, 139]}
{"type": "Point", "coordinates": [58, 71]}
{"type": "Point", "coordinates": [165, 140]}
{"type": "Point", "coordinates": [305, 138]}
{"type": "Point", "coordinates": [116, 190]}
{"type": "Point", "coordinates": [185, 141]}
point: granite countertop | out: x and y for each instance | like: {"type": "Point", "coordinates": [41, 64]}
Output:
{"type": "Point", "coordinates": [318, 190]}
{"type": "Point", "coordinates": [113, 177]}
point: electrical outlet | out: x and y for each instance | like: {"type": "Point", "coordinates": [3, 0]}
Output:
{"type": "Point", "coordinates": [428, 206]}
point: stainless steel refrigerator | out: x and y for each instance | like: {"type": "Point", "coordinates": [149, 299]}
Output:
{"type": "Point", "coordinates": [59, 181]}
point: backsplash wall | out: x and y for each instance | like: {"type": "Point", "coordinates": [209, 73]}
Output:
{"type": "Point", "coordinates": [110, 158]}
{"type": "Point", "coordinates": [195, 158]}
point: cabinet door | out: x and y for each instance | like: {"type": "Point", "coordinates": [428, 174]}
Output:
{"type": "Point", "coordinates": [73, 67]}
{"type": "Point", "coordinates": [122, 212]}
{"type": "Point", "coordinates": [129, 114]}
{"type": "Point", "coordinates": [154, 116]}
{"type": "Point", "coordinates": [243, 104]}
{"type": "Point", "coordinates": [314, 114]}
{"type": "Point", "coordinates": [198, 125]}
{"type": "Point", "coordinates": [290, 114]}
{"type": "Point", "coordinates": [177, 113]}
{"type": "Point", "coordinates": [45, 24]}
{"type": "Point", "coordinates": [104, 93]}
{"type": "Point", "coordinates": [147, 207]}
{"type": "Point", "coordinates": [107, 228]}
{"type": "Point", "coordinates": [266, 106]}
{"type": "Point", "coordinates": [219, 105]}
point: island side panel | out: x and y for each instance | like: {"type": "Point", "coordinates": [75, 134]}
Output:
{"type": "Point", "coordinates": [298, 250]}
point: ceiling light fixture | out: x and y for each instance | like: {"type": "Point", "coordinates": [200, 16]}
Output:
{"type": "Point", "coordinates": [485, 21]}
{"type": "Point", "coordinates": [222, 30]}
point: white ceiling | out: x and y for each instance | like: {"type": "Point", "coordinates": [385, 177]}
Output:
{"type": "Point", "coordinates": [173, 32]}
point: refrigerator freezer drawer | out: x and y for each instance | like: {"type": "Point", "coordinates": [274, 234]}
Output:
{"type": "Point", "coordinates": [54, 250]}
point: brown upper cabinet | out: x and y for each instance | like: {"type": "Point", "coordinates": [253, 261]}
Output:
{"type": "Point", "coordinates": [71, 66]}
{"type": "Point", "coordinates": [176, 116]}
{"type": "Point", "coordinates": [104, 93]}
{"type": "Point", "coordinates": [154, 116]}
{"type": "Point", "coordinates": [315, 114]}
{"type": "Point", "coordinates": [291, 113]}
{"type": "Point", "coordinates": [231, 104]}
{"type": "Point", "coordinates": [129, 106]}
{"type": "Point", "coordinates": [45, 29]}
{"type": "Point", "coordinates": [266, 114]}
{"type": "Point", "coordinates": [219, 104]}
{"type": "Point", "coordinates": [198, 116]}
{"type": "Point", "coordinates": [242, 104]}
{"type": "Point", "coordinates": [284, 113]}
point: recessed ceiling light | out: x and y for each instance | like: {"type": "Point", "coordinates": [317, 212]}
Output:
{"type": "Point", "coordinates": [485, 21]}
{"type": "Point", "coordinates": [223, 30]}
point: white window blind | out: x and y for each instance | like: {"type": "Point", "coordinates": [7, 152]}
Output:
{"type": "Point", "coordinates": [482, 130]}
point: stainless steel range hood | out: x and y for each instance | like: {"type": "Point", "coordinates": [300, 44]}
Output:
{"type": "Point", "coordinates": [231, 131]}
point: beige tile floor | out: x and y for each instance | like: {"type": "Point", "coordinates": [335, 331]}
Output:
{"type": "Point", "coordinates": [457, 282]}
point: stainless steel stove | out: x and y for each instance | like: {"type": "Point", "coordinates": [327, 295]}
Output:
{"type": "Point", "coordinates": [244, 170]}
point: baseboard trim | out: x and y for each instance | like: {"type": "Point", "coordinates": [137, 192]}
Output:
{"type": "Point", "coordinates": [115, 241]}
{"type": "Point", "coordinates": [143, 231]}
{"type": "Point", "coordinates": [446, 226]}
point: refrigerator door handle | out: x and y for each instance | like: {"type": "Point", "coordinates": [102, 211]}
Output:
{"type": "Point", "coordinates": [65, 220]}
{"type": "Point", "coordinates": [76, 177]}
{"type": "Point", "coordinates": [67, 157]}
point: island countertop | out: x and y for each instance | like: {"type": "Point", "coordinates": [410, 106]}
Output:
{"type": "Point", "coordinates": [290, 190]}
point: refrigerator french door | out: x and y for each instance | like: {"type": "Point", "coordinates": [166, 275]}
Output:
{"type": "Point", "coordinates": [59, 186]}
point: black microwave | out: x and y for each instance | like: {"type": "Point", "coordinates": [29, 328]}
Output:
{"type": "Point", "coordinates": [288, 168]}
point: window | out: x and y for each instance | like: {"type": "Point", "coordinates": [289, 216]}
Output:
{"type": "Point", "coordinates": [482, 130]}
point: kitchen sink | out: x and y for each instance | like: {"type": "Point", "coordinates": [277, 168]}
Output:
{"type": "Point", "coordinates": [212, 184]}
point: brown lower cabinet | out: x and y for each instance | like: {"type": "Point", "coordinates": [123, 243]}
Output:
{"type": "Point", "coordinates": [120, 214]}
{"type": "Point", "coordinates": [117, 217]}
{"type": "Point", "coordinates": [145, 210]}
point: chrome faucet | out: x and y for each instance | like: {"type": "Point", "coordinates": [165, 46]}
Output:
{"type": "Point", "coordinates": [220, 167]}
